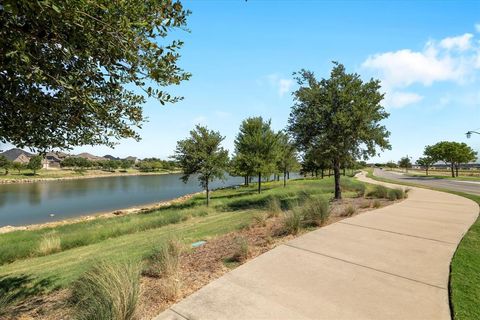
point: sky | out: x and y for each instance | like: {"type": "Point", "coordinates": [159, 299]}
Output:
{"type": "Point", "coordinates": [242, 55]}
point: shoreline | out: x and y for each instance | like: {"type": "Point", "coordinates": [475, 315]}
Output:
{"type": "Point", "coordinates": [102, 215]}
{"type": "Point", "coordinates": [93, 176]}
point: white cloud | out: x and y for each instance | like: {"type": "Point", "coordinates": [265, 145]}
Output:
{"type": "Point", "coordinates": [461, 43]}
{"type": "Point", "coordinates": [282, 85]}
{"type": "Point", "coordinates": [401, 99]}
{"type": "Point", "coordinates": [477, 27]}
{"type": "Point", "coordinates": [405, 67]}
{"type": "Point", "coordinates": [453, 59]}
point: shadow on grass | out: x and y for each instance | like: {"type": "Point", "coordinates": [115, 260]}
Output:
{"type": "Point", "coordinates": [16, 290]}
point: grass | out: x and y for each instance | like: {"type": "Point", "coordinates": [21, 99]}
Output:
{"type": "Point", "coordinates": [464, 286]}
{"type": "Point", "coordinates": [108, 291]}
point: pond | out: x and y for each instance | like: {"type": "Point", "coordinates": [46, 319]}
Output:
{"type": "Point", "coordinates": [45, 201]}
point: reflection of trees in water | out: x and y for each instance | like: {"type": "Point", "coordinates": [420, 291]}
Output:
{"type": "Point", "coordinates": [35, 193]}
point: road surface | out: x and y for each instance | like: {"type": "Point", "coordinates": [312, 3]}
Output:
{"type": "Point", "coordinates": [455, 185]}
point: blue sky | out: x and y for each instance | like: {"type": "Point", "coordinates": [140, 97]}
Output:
{"type": "Point", "coordinates": [242, 55]}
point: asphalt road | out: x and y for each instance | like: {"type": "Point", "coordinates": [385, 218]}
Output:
{"type": "Point", "coordinates": [455, 185]}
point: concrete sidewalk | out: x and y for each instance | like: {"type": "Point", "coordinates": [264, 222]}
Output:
{"type": "Point", "coordinates": [390, 263]}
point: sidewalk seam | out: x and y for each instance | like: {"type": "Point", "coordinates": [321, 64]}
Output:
{"type": "Point", "coordinates": [181, 315]}
{"type": "Point", "coordinates": [364, 266]}
{"type": "Point", "coordinates": [394, 232]}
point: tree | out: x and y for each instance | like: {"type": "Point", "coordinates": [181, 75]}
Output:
{"type": "Point", "coordinates": [257, 146]}
{"type": "Point", "coordinates": [287, 156]}
{"type": "Point", "coordinates": [340, 115]}
{"type": "Point", "coordinates": [451, 153]}
{"type": "Point", "coordinates": [5, 164]}
{"type": "Point", "coordinates": [405, 163]}
{"type": "Point", "coordinates": [126, 164]}
{"type": "Point", "coordinates": [18, 166]}
{"type": "Point", "coordinates": [68, 69]}
{"type": "Point", "coordinates": [35, 164]}
{"type": "Point", "coordinates": [391, 165]}
{"type": "Point", "coordinates": [425, 162]}
{"type": "Point", "coordinates": [202, 154]}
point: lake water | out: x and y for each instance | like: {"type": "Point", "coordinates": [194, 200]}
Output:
{"type": "Point", "coordinates": [30, 203]}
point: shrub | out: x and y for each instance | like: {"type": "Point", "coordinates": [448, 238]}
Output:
{"type": "Point", "coordinates": [242, 249]}
{"type": "Point", "coordinates": [273, 207]}
{"type": "Point", "coordinates": [292, 222]}
{"type": "Point", "coordinates": [315, 211]}
{"type": "Point", "coordinates": [349, 211]}
{"type": "Point", "coordinates": [394, 194]}
{"type": "Point", "coordinates": [378, 191]}
{"type": "Point", "coordinates": [49, 243]}
{"type": "Point", "coordinates": [376, 204]}
{"type": "Point", "coordinates": [352, 185]}
{"type": "Point", "coordinates": [165, 261]}
{"type": "Point", "coordinates": [108, 291]}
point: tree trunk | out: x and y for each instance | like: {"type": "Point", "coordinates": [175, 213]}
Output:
{"type": "Point", "coordinates": [336, 173]}
{"type": "Point", "coordinates": [284, 178]}
{"type": "Point", "coordinates": [208, 194]}
{"type": "Point", "coordinates": [288, 175]}
{"type": "Point", "coordinates": [322, 173]}
{"type": "Point", "coordinates": [451, 168]}
{"type": "Point", "coordinates": [426, 170]}
{"type": "Point", "coordinates": [456, 170]}
{"type": "Point", "coordinates": [316, 173]}
{"type": "Point", "coordinates": [259, 182]}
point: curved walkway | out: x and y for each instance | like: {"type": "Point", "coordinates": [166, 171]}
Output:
{"type": "Point", "coordinates": [390, 263]}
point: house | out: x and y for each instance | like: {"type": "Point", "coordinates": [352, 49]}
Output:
{"type": "Point", "coordinates": [53, 159]}
{"type": "Point", "coordinates": [17, 155]}
{"type": "Point", "coordinates": [90, 157]}
{"type": "Point", "coordinates": [133, 159]}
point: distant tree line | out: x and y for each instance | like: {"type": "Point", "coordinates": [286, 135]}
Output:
{"type": "Point", "coordinates": [145, 165]}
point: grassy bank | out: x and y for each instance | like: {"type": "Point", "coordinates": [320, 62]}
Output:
{"type": "Point", "coordinates": [47, 259]}
{"type": "Point", "coordinates": [465, 266]}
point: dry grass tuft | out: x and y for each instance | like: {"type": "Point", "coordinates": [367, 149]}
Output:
{"type": "Point", "coordinates": [50, 243]}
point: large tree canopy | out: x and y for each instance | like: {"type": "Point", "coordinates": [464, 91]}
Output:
{"type": "Point", "coordinates": [340, 115]}
{"type": "Point", "coordinates": [75, 72]}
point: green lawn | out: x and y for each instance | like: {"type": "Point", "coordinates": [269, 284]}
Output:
{"type": "Point", "coordinates": [134, 236]}
{"type": "Point", "coordinates": [465, 267]}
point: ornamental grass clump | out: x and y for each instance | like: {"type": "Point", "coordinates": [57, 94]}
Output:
{"type": "Point", "coordinates": [292, 222]}
{"type": "Point", "coordinates": [378, 191]}
{"type": "Point", "coordinates": [108, 291]}
{"type": "Point", "coordinates": [164, 262]}
{"type": "Point", "coordinates": [315, 212]}
{"type": "Point", "coordinates": [49, 243]}
{"type": "Point", "coordinates": [396, 194]}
